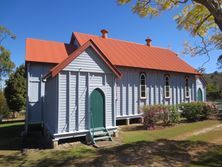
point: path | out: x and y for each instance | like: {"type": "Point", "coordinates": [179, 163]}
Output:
{"type": "Point", "coordinates": [199, 132]}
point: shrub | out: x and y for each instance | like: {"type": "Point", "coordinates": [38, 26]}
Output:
{"type": "Point", "coordinates": [195, 111]}
{"type": "Point", "coordinates": [150, 116]}
{"type": "Point", "coordinates": [174, 114]}
{"type": "Point", "coordinates": [160, 113]}
{"type": "Point", "coordinates": [209, 108]}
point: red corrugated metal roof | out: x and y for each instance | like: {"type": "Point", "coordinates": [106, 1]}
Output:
{"type": "Point", "coordinates": [129, 54]}
{"type": "Point", "coordinates": [47, 51]}
{"type": "Point", "coordinates": [119, 53]}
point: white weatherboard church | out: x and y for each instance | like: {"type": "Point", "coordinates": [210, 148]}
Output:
{"type": "Point", "coordinates": [85, 86]}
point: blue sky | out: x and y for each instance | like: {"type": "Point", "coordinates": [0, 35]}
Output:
{"type": "Point", "coordinates": [57, 19]}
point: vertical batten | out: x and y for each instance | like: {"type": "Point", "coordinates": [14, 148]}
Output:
{"type": "Point", "coordinates": [133, 98]}
{"type": "Point", "coordinates": [178, 91]}
{"type": "Point", "coordinates": [113, 102]}
{"type": "Point", "coordinates": [192, 89]}
{"type": "Point", "coordinates": [78, 109]}
{"type": "Point", "coordinates": [68, 102]}
{"type": "Point", "coordinates": [151, 90]}
{"type": "Point", "coordinates": [181, 93]}
{"type": "Point", "coordinates": [155, 87]}
{"type": "Point", "coordinates": [58, 103]}
{"type": "Point", "coordinates": [147, 89]}
{"type": "Point", "coordinates": [88, 100]}
{"type": "Point", "coordinates": [161, 88]}
{"type": "Point", "coordinates": [127, 94]}
{"type": "Point", "coordinates": [121, 98]}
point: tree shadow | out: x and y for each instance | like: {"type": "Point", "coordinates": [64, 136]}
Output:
{"type": "Point", "coordinates": [10, 137]}
{"type": "Point", "coordinates": [144, 153]}
{"type": "Point", "coordinates": [160, 153]}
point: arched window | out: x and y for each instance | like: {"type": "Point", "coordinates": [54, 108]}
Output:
{"type": "Point", "coordinates": [142, 85]}
{"type": "Point", "coordinates": [167, 86]}
{"type": "Point", "coordinates": [187, 92]}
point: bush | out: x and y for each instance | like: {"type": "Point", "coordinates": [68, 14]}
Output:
{"type": "Point", "coordinates": [4, 110]}
{"type": "Point", "coordinates": [160, 113]}
{"type": "Point", "coordinates": [149, 116]}
{"type": "Point", "coordinates": [209, 108]}
{"type": "Point", "coordinates": [197, 110]}
{"type": "Point", "coordinates": [174, 114]}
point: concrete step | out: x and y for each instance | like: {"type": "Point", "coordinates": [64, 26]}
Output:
{"type": "Point", "coordinates": [100, 133]}
{"type": "Point", "coordinates": [101, 138]}
{"type": "Point", "coordinates": [98, 129]}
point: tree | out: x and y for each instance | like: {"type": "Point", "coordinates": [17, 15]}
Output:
{"type": "Point", "coordinates": [212, 92]}
{"type": "Point", "coordinates": [4, 110]}
{"type": "Point", "coordinates": [15, 90]}
{"type": "Point", "coordinates": [202, 18]}
{"type": "Point", "coordinates": [6, 65]}
{"type": "Point", "coordinates": [214, 86]}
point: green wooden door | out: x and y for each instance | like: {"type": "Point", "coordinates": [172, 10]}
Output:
{"type": "Point", "coordinates": [200, 95]}
{"type": "Point", "coordinates": [97, 109]}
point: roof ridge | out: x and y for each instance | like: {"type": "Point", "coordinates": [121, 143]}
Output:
{"type": "Point", "coordinates": [121, 40]}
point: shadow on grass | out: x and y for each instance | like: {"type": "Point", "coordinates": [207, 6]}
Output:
{"type": "Point", "coordinates": [159, 153]}
{"type": "Point", "coordinates": [10, 137]}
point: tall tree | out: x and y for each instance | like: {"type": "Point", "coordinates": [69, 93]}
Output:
{"type": "Point", "coordinates": [201, 18]}
{"type": "Point", "coordinates": [6, 65]}
{"type": "Point", "coordinates": [4, 110]}
{"type": "Point", "coordinates": [15, 90]}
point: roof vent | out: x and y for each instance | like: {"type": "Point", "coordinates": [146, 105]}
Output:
{"type": "Point", "coordinates": [104, 33]}
{"type": "Point", "coordinates": [148, 41]}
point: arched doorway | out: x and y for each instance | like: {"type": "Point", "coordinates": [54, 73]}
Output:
{"type": "Point", "coordinates": [200, 95]}
{"type": "Point", "coordinates": [97, 104]}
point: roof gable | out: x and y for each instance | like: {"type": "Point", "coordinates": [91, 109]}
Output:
{"type": "Point", "coordinates": [87, 61]}
{"type": "Point", "coordinates": [76, 53]}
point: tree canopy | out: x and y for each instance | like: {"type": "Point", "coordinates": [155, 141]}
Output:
{"type": "Point", "coordinates": [6, 65]}
{"type": "Point", "coordinates": [201, 18]}
{"type": "Point", "coordinates": [15, 90]}
{"type": "Point", "coordinates": [214, 86]}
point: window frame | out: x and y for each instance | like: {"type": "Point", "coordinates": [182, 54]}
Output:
{"type": "Point", "coordinates": [165, 86]}
{"type": "Point", "coordinates": [186, 88]}
{"type": "Point", "coordinates": [145, 86]}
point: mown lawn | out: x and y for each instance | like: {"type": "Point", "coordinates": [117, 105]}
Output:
{"type": "Point", "coordinates": [172, 146]}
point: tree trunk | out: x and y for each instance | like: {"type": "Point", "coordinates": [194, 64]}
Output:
{"type": "Point", "coordinates": [14, 114]}
{"type": "Point", "coordinates": [215, 8]}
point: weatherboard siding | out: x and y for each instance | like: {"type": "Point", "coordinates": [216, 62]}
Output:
{"type": "Point", "coordinates": [36, 90]}
{"type": "Point", "coordinates": [76, 83]}
{"type": "Point", "coordinates": [51, 107]}
{"type": "Point", "coordinates": [88, 61]}
{"type": "Point", "coordinates": [129, 102]}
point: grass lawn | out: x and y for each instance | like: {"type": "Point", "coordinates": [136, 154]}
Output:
{"type": "Point", "coordinates": [172, 146]}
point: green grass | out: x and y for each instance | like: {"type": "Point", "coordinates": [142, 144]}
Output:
{"type": "Point", "coordinates": [167, 133]}
{"type": "Point", "coordinates": [213, 136]}
{"type": "Point", "coordinates": [138, 148]}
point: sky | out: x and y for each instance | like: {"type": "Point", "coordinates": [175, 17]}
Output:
{"type": "Point", "coordinates": [57, 19]}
